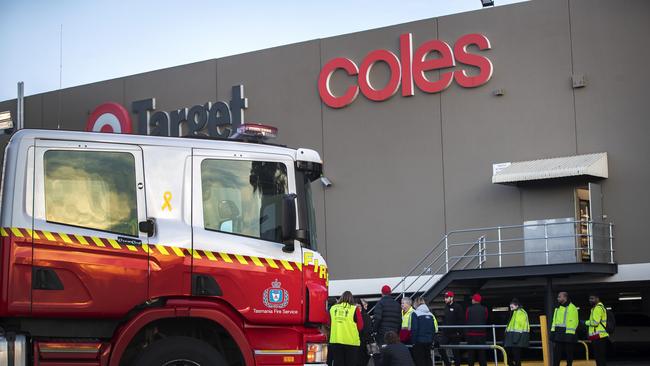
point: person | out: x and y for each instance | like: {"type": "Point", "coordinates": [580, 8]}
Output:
{"type": "Point", "coordinates": [365, 334]}
{"type": "Point", "coordinates": [476, 314]}
{"type": "Point", "coordinates": [424, 328]}
{"type": "Point", "coordinates": [597, 325]}
{"type": "Point", "coordinates": [407, 320]}
{"type": "Point", "coordinates": [451, 336]}
{"type": "Point", "coordinates": [394, 353]}
{"type": "Point", "coordinates": [517, 333]}
{"type": "Point", "coordinates": [563, 329]}
{"type": "Point", "coordinates": [387, 315]}
{"type": "Point", "coordinates": [346, 322]}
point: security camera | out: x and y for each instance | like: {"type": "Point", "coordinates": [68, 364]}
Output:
{"type": "Point", "coordinates": [326, 182]}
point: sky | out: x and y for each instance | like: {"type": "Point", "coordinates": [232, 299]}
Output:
{"type": "Point", "coordinates": [108, 39]}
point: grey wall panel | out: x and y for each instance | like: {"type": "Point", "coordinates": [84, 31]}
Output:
{"type": "Point", "coordinates": [34, 111]}
{"type": "Point", "coordinates": [77, 103]}
{"type": "Point", "coordinates": [50, 109]}
{"type": "Point", "coordinates": [534, 119]}
{"type": "Point", "coordinates": [386, 206]}
{"type": "Point", "coordinates": [547, 200]}
{"type": "Point", "coordinates": [610, 46]}
{"type": "Point", "coordinates": [280, 84]}
{"type": "Point", "coordinates": [177, 87]}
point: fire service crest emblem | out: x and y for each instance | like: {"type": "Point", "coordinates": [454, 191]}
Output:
{"type": "Point", "coordinates": [275, 297]}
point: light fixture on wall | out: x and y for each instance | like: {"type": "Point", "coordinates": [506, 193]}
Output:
{"type": "Point", "coordinates": [487, 3]}
{"type": "Point", "coordinates": [5, 120]}
{"type": "Point", "coordinates": [326, 182]}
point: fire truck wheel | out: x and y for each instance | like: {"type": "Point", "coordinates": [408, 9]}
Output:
{"type": "Point", "coordinates": [180, 351]}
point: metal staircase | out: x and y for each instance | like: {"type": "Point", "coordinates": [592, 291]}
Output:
{"type": "Point", "coordinates": [548, 248]}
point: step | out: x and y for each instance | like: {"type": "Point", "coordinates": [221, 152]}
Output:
{"type": "Point", "coordinates": [66, 353]}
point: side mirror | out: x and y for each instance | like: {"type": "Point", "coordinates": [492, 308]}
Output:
{"type": "Point", "coordinates": [289, 221]}
{"type": "Point", "coordinates": [148, 226]}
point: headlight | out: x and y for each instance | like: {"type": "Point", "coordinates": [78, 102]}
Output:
{"type": "Point", "coordinates": [316, 352]}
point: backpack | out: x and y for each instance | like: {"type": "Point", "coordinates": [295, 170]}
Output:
{"type": "Point", "coordinates": [610, 327]}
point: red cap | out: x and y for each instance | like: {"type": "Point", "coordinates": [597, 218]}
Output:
{"type": "Point", "coordinates": [385, 290]}
{"type": "Point", "coordinates": [476, 297]}
{"type": "Point", "coordinates": [449, 294]}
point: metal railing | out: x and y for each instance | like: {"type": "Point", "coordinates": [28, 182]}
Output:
{"type": "Point", "coordinates": [495, 346]}
{"type": "Point", "coordinates": [562, 241]}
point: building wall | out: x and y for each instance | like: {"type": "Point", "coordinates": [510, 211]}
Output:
{"type": "Point", "coordinates": [408, 169]}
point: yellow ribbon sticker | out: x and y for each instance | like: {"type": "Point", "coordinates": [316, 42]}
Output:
{"type": "Point", "coordinates": [168, 204]}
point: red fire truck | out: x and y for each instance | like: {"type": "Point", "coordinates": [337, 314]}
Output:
{"type": "Point", "coordinates": [159, 251]}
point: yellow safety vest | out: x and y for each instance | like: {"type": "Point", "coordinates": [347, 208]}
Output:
{"type": "Point", "coordinates": [406, 319]}
{"type": "Point", "coordinates": [597, 321]}
{"type": "Point", "coordinates": [344, 329]}
{"type": "Point", "coordinates": [519, 322]}
{"type": "Point", "coordinates": [566, 317]}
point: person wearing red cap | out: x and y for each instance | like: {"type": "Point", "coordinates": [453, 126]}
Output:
{"type": "Point", "coordinates": [476, 314]}
{"type": "Point", "coordinates": [388, 315]}
{"type": "Point", "coordinates": [451, 336]}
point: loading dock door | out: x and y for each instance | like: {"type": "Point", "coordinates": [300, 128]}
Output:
{"type": "Point", "coordinates": [599, 230]}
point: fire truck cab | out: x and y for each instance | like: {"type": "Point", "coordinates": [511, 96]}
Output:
{"type": "Point", "coordinates": [141, 250]}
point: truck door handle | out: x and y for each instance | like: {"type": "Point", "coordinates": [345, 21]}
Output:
{"type": "Point", "coordinates": [148, 226]}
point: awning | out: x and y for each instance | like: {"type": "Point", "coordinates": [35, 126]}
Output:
{"type": "Point", "coordinates": [594, 165]}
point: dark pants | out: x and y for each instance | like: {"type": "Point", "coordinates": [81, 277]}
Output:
{"type": "Point", "coordinates": [363, 358]}
{"type": "Point", "coordinates": [514, 356]}
{"type": "Point", "coordinates": [422, 354]}
{"type": "Point", "coordinates": [560, 348]}
{"type": "Point", "coordinates": [600, 351]}
{"type": "Point", "coordinates": [450, 339]}
{"type": "Point", "coordinates": [344, 355]}
{"type": "Point", "coordinates": [476, 340]}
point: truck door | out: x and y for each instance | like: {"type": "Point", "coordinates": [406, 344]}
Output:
{"type": "Point", "coordinates": [88, 254]}
{"type": "Point", "coordinates": [237, 246]}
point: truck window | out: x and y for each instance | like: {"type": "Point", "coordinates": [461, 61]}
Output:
{"type": "Point", "coordinates": [91, 189]}
{"type": "Point", "coordinates": [244, 197]}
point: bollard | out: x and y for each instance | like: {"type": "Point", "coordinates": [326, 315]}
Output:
{"type": "Point", "coordinates": [545, 341]}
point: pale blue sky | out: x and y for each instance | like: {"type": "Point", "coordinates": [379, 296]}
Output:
{"type": "Point", "coordinates": [108, 39]}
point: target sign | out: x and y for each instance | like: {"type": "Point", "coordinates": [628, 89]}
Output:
{"type": "Point", "coordinates": [109, 117]}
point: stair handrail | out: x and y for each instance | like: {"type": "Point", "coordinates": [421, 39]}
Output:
{"type": "Point", "coordinates": [485, 241]}
{"type": "Point", "coordinates": [433, 249]}
{"type": "Point", "coordinates": [420, 262]}
{"type": "Point", "coordinates": [458, 259]}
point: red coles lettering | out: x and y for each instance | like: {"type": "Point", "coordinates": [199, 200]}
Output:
{"type": "Point", "coordinates": [410, 69]}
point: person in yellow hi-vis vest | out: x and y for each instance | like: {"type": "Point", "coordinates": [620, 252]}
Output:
{"type": "Point", "coordinates": [517, 333]}
{"type": "Point", "coordinates": [597, 325]}
{"type": "Point", "coordinates": [345, 324]}
{"type": "Point", "coordinates": [407, 320]}
{"type": "Point", "coordinates": [563, 329]}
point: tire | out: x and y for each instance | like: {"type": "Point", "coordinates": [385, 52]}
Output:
{"type": "Point", "coordinates": [180, 351]}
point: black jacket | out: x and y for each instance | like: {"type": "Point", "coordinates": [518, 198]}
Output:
{"type": "Point", "coordinates": [396, 354]}
{"type": "Point", "coordinates": [388, 315]}
{"type": "Point", "coordinates": [476, 314]}
{"type": "Point", "coordinates": [453, 316]}
{"type": "Point", "coordinates": [365, 333]}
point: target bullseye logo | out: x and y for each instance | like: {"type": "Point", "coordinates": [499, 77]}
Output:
{"type": "Point", "coordinates": [109, 117]}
